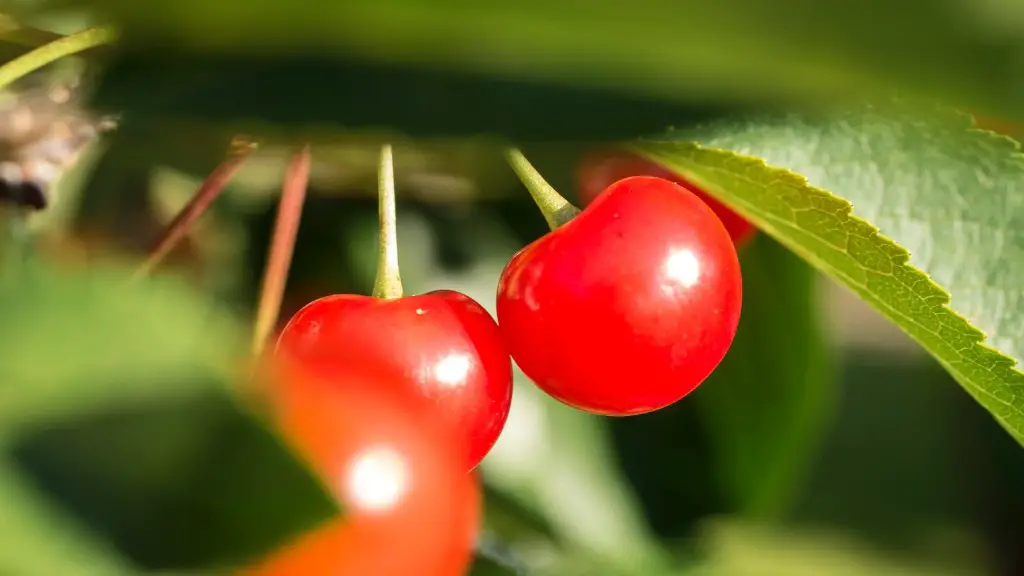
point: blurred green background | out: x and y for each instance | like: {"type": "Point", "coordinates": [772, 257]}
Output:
{"type": "Point", "coordinates": [826, 443]}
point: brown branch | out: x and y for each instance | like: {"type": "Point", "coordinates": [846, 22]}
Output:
{"type": "Point", "coordinates": [282, 245]}
{"type": "Point", "coordinates": [207, 192]}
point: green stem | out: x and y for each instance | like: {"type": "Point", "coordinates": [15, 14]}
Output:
{"type": "Point", "coordinates": [388, 283]}
{"type": "Point", "coordinates": [556, 209]}
{"type": "Point", "coordinates": [65, 46]}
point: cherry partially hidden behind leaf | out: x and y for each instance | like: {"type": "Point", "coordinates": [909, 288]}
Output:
{"type": "Point", "coordinates": [628, 306]}
{"type": "Point", "coordinates": [408, 505]}
{"type": "Point", "coordinates": [442, 346]}
{"type": "Point", "coordinates": [599, 169]}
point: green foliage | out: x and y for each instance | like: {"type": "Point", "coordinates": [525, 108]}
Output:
{"type": "Point", "coordinates": [797, 176]}
{"type": "Point", "coordinates": [767, 405]}
{"type": "Point", "coordinates": [749, 549]}
{"type": "Point", "coordinates": [37, 538]}
{"type": "Point", "coordinates": [231, 89]}
{"type": "Point", "coordinates": [124, 449]}
{"type": "Point", "coordinates": [128, 342]}
{"type": "Point", "coordinates": [120, 388]}
{"type": "Point", "coordinates": [728, 50]}
{"type": "Point", "coordinates": [557, 466]}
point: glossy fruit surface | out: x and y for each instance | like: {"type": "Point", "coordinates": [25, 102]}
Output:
{"type": "Point", "coordinates": [409, 506]}
{"type": "Point", "coordinates": [629, 306]}
{"type": "Point", "coordinates": [442, 346]}
{"type": "Point", "coordinates": [601, 168]}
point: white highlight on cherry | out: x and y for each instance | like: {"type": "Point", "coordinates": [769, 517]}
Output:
{"type": "Point", "coordinates": [453, 369]}
{"type": "Point", "coordinates": [378, 479]}
{"type": "Point", "coordinates": [683, 268]}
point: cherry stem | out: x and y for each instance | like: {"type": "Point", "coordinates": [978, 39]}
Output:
{"type": "Point", "coordinates": [556, 209]}
{"type": "Point", "coordinates": [204, 196]}
{"type": "Point", "coordinates": [388, 283]}
{"type": "Point", "coordinates": [282, 246]}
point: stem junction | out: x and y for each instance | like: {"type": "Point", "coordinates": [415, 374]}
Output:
{"type": "Point", "coordinates": [556, 209]}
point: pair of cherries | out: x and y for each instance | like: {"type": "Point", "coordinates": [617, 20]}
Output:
{"type": "Point", "coordinates": [624, 308]}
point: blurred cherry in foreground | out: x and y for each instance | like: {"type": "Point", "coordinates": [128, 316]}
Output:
{"type": "Point", "coordinates": [408, 506]}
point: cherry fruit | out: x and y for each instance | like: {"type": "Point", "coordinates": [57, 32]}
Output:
{"type": "Point", "coordinates": [600, 169]}
{"type": "Point", "coordinates": [626, 307]}
{"type": "Point", "coordinates": [442, 345]}
{"type": "Point", "coordinates": [408, 505]}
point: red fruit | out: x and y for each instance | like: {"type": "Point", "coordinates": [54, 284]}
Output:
{"type": "Point", "coordinates": [442, 346]}
{"type": "Point", "coordinates": [409, 506]}
{"type": "Point", "coordinates": [600, 169]}
{"type": "Point", "coordinates": [629, 306]}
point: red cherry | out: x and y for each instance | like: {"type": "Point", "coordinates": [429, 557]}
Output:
{"type": "Point", "coordinates": [409, 506]}
{"type": "Point", "coordinates": [599, 169]}
{"type": "Point", "coordinates": [627, 307]}
{"type": "Point", "coordinates": [442, 345]}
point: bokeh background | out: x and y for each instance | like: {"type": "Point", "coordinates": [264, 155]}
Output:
{"type": "Point", "coordinates": [827, 443]}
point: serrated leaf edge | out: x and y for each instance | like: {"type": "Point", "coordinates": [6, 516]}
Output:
{"type": "Point", "coordinates": [898, 256]}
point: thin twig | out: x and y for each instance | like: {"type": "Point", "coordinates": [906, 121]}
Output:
{"type": "Point", "coordinates": [207, 192]}
{"type": "Point", "coordinates": [66, 46]}
{"type": "Point", "coordinates": [282, 245]}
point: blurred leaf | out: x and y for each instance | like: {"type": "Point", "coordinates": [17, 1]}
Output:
{"type": "Point", "coordinates": [25, 37]}
{"type": "Point", "coordinates": [727, 50]}
{"type": "Point", "coordinates": [950, 195]}
{"type": "Point", "coordinates": [178, 485]}
{"type": "Point", "coordinates": [515, 523]}
{"type": "Point", "coordinates": [307, 93]}
{"type": "Point", "coordinates": [558, 462]}
{"type": "Point", "coordinates": [36, 539]}
{"type": "Point", "coordinates": [495, 558]}
{"type": "Point", "coordinates": [750, 549]}
{"type": "Point", "coordinates": [71, 343]}
{"type": "Point", "coordinates": [486, 567]}
{"type": "Point", "coordinates": [900, 482]}
{"type": "Point", "coordinates": [115, 395]}
{"type": "Point", "coordinates": [767, 403]}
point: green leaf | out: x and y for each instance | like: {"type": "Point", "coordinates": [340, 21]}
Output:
{"type": "Point", "coordinates": [738, 548]}
{"type": "Point", "coordinates": [557, 461]}
{"type": "Point", "coordinates": [732, 49]}
{"type": "Point", "coordinates": [483, 566]}
{"type": "Point", "coordinates": [767, 404]}
{"type": "Point", "coordinates": [75, 342]}
{"type": "Point", "coordinates": [115, 402]}
{"type": "Point", "coordinates": [36, 538]}
{"type": "Point", "coordinates": [948, 194]}
{"type": "Point", "coordinates": [232, 90]}
{"type": "Point", "coordinates": [181, 485]}
{"type": "Point", "coordinates": [495, 557]}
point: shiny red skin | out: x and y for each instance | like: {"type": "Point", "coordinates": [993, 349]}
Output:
{"type": "Point", "coordinates": [441, 345]}
{"type": "Point", "coordinates": [426, 525]}
{"type": "Point", "coordinates": [601, 168]}
{"type": "Point", "coordinates": [629, 306]}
